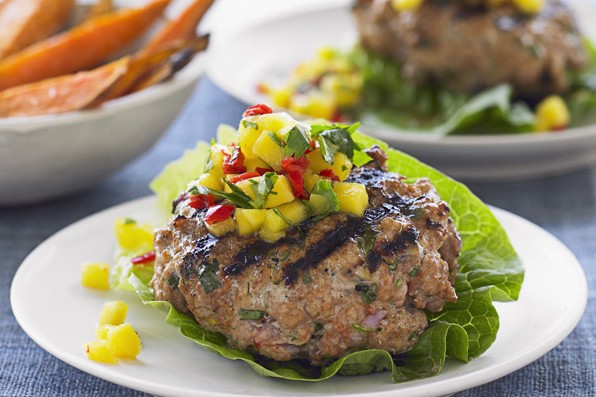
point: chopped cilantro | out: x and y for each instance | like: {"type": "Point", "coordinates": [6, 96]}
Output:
{"type": "Point", "coordinates": [262, 189]}
{"type": "Point", "coordinates": [368, 292]}
{"type": "Point", "coordinates": [297, 141]}
{"type": "Point", "coordinates": [250, 124]}
{"type": "Point", "coordinates": [324, 188]}
{"type": "Point", "coordinates": [208, 278]}
{"type": "Point", "coordinates": [414, 272]}
{"type": "Point", "coordinates": [278, 213]}
{"type": "Point", "coordinates": [275, 139]}
{"type": "Point", "coordinates": [248, 314]}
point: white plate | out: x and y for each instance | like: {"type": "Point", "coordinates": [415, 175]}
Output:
{"type": "Point", "coordinates": [60, 315]}
{"type": "Point", "coordinates": [268, 51]}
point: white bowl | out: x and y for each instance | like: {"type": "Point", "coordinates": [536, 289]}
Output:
{"type": "Point", "coordinates": [50, 156]}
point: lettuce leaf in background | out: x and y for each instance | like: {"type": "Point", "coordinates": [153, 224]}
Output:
{"type": "Point", "coordinates": [390, 101]}
{"type": "Point", "coordinates": [489, 270]}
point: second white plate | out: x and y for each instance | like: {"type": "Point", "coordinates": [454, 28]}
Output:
{"type": "Point", "coordinates": [60, 315]}
{"type": "Point", "coordinates": [269, 50]}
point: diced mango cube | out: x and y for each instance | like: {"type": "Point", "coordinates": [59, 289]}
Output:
{"type": "Point", "coordinates": [113, 313]}
{"type": "Point", "coordinates": [310, 180]}
{"type": "Point", "coordinates": [278, 123]}
{"type": "Point", "coordinates": [130, 235]}
{"type": "Point", "coordinates": [249, 221]}
{"type": "Point", "coordinates": [353, 198]}
{"type": "Point", "coordinates": [280, 194]}
{"type": "Point", "coordinates": [124, 341]}
{"type": "Point", "coordinates": [96, 275]}
{"type": "Point", "coordinates": [406, 5]}
{"type": "Point", "coordinates": [245, 186]}
{"type": "Point", "coordinates": [216, 158]}
{"type": "Point", "coordinates": [101, 332]}
{"type": "Point", "coordinates": [319, 204]}
{"type": "Point", "coordinates": [316, 162]}
{"type": "Point", "coordinates": [529, 6]}
{"type": "Point", "coordinates": [342, 166]}
{"type": "Point", "coordinates": [273, 228]}
{"type": "Point", "coordinates": [247, 136]}
{"type": "Point", "coordinates": [314, 104]}
{"type": "Point", "coordinates": [99, 350]}
{"type": "Point", "coordinates": [552, 114]}
{"type": "Point", "coordinates": [345, 87]}
{"type": "Point", "coordinates": [221, 228]}
{"type": "Point", "coordinates": [211, 180]}
{"type": "Point", "coordinates": [281, 96]}
{"type": "Point", "coordinates": [269, 151]}
{"type": "Point", "coordinates": [253, 164]}
{"type": "Point", "coordinates": [294, 211]}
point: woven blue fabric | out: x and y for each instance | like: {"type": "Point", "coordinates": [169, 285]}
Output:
{"type": "Point", "coordinates": [565, 206]}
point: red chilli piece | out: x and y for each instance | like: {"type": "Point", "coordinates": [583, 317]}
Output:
{"type": "Point", "coordinates": [313, 146]}
{"type": "Point", "coordinates": [246, 175]}
{"type": "Point", "coordinates": [295, 168]}
{"type": "Point", "coordinates": [328, 173]}
{"type": "Point", "coordinates": [219, 213]}
{"type": "Point", "coordinates": [263, 171]}
{"type": "Point", "coordinates": [200, 201]}
{"type": "Point", "coordinates": [234, 163]}
{"type": "Point", "coordinates": [256, 110]}
{"type": "Point", "coordinates": [143, 259]}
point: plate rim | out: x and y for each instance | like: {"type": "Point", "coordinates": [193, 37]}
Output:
{"type": "Point", "coordinates": [450, 385]}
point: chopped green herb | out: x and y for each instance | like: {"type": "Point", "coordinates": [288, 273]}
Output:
{"type": "Point", "coordinates": [278, 213]}
{"type": "Point", "coordinates": [399, 282]}
{"type": "Point", "coordinates": [262, 189]}
{"type": "Point", "coordinates": [297, 141]}
{"type": "Point", "coordinates": [319, 326]}
{"type": "Point", "coordinates": [285, 256]}
{"type": "Point", "coordinates": [208, 163]}
{"type": "Point", "coordinates": [208, 278]}
{"type": "Point", "coordinates": [250, 124]}
{"type": "Point", "coordinates": [324, 188]}
{"type": "Point", "coordinates": [275, 139]}
{"type": "Point", "coordinates": [368, 292]}
{"type": "Point", "coordinates": [236, 196]}
{"type": "Point", "coordinates": [363, 330]}
{"type": "Point", "coordinates": [129, 221]}
{"type": "Point", "coordinates": [306, 278]}
{"type": "Point", "coordinates": [414, 272]}
{"type": "Point", "coordinates": [173, 281]}
{"type": "Point", "coordinates": [393, 266]}
{"type": "Point", "coordinates": [248, 314]}
{"type": "Point", "coordinates": [335, 138]}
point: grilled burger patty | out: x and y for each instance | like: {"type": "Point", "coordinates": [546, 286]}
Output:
{"type": "Point", "coordinates": [330, 287]}
{"type": "Point", "coordinates": [466, 47]}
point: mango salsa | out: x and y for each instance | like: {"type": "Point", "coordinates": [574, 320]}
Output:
{"type": "Point", "coordinates": [276, 174]}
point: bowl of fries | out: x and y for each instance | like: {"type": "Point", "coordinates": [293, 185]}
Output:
{"type": "Point", "coordinates": [87, 88]}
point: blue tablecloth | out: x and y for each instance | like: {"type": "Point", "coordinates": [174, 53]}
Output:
{"type": "Point", "coordinates": [565, 206]}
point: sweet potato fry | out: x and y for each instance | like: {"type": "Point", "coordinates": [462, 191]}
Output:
{"type": "Point", "coordinates": [139, 64]}
{"type": "Point", "coordinates": [25, 22]}
{"type": "Point", "coordinates": [61, 94]}
{"type": "Point", "coordinates": [180, 29]}
{"type": "Point", "coordinates": [173, 64]}
{"type": "Point", "coordinates": [100, 8]}
{"type": "Point", "coordinates": [83, 47]}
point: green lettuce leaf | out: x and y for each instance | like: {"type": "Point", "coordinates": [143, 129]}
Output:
{"type": "Point", "coordinates": [389, 100]}
{"type": "Point", "coordinates": [489, 270]}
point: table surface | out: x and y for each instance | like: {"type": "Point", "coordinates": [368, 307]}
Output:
{"type": "Point", "coordinates": [564, 205]}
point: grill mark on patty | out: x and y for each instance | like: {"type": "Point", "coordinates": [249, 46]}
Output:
{"type": "Point", "coordinates": [353, 228]}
